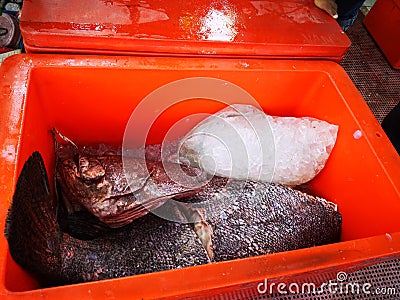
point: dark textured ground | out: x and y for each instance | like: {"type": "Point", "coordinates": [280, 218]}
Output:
{"type": "Point", "coordinates": [376, 80]}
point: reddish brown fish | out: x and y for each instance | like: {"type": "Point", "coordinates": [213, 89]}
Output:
{"type": "Point", "coordinates": [101, 184]}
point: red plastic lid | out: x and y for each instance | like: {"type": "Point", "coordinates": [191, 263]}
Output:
{"type": "Point", "coordinates": [274, 28]}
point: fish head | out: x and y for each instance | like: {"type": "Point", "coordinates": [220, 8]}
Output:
{"type": "Point", "coordinates": [117, 190]}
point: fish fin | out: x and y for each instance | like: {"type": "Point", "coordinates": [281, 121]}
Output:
{"type": "Point", "coordinates": [32, 231]}
{"type": "Point", "coordinates": [204, 232]}
{"type": "Point", "coordinates": [201, 227]}
{"type": "Point", "coordinates": [56, 134]}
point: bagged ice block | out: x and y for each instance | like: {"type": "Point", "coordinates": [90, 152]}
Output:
{"type": "Point", "coordinates": [243, 142]}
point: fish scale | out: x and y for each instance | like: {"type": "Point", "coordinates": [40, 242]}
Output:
{"type": "Point", "coordinates": [150, 244]}
{"type": "Point", "coordinates": [272, 216]}
{"type": "Point", "coordinates": [37, 243]}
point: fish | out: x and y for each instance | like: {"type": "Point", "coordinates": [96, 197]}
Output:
{"type": "Point", "coordinates": [251, 218]}
{"type": "Point", "coordinates": [38, 244]}
{"type": "Point", "coordinates": [226, 219]}
{"type": "Point", "coordinates": [101, 185]}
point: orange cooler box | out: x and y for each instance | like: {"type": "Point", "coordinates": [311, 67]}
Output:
{"type": "Point", "coordinates": [242, 28]}
{"type": "Point", "coordinates": [383, 23]}
{"type": "Point", "coordinates": [90, 99]}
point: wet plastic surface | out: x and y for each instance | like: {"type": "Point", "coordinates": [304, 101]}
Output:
{"type": "Point", "coordinates": [383, 23]}
{"type": "Point", "coordinates": [90, 99]}
{"type": "Point", "coordinates": [289, 29]}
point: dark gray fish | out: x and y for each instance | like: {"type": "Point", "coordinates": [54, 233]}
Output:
{"type": "Point", "coordinates": [239, 219]}
{"type": "Point", "coordinates": [37, 243]}
{"type": "Point", "coordinates": [251, 218]}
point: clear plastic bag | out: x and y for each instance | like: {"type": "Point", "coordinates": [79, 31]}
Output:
{"type": "Point", "coordinates": [243, 142]}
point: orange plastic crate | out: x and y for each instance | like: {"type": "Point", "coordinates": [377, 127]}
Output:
{"type": "Point", "coordinates": [383, 23]}
{"type": "Point", "coordinates": [241, 28]}
{"type": "Point", "coordinates": [90, 99]}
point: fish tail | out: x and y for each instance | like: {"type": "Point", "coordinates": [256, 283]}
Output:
{"type": "Point", "coordinates": [31, 229]}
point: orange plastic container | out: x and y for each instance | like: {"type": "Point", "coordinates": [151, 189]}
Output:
{"type": "Point", "coordinates": [383, 23]}
{"type": "Point", "coordinates": [241, 28]}
{"type": "Point", "coordinates": [90, 99]}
